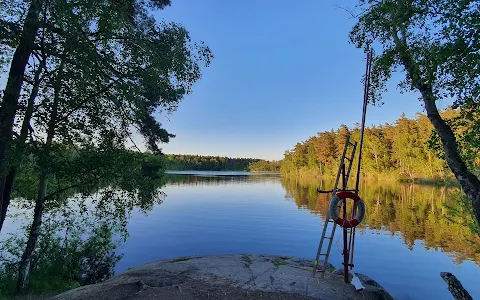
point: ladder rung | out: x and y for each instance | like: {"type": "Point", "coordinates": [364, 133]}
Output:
{"type": "Point", "coordinates": [323, 254]}
{"type": "Point", "coordinates": [328, 237]}
{"type": "Point", "coordinates": [348, 159]}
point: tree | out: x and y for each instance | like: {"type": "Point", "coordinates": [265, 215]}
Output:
{"type": "Point", "coordinates": [101, 37]}
{"type": "Point", "coordinates": [408, 149]}
{"type": "Point", "coordinates": [437, 45]}
{"type": "Point", "coordinates": [376, 151]}
{"type": "Point", "coordinates": [24, 39]}
{"type": "Point", "coordinates": [107, 70]}
{"type": "Point", "coordinates": [340, 139]}
{"type": "Point", "coordinates": [325, 148]}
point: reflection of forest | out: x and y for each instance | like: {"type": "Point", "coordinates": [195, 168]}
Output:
{"type": "Point", "coordinates": [215, 180]}
{"type": "Point", "coordinates": [417, 212]}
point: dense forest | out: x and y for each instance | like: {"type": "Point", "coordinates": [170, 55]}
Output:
{"type": "Point", "coordinates": [217, 163]}
{"type": "Point", "coordinates": [265, 166]}
{"type": "Point", "coordinates": [409, 148]}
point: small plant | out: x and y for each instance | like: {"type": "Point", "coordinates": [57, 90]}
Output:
{"type": "Point", "coordinates": [281, 261]}
{"type": "Point", "coordinates": [181, 259]}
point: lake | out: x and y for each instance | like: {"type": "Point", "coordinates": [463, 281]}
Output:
{"type": "Point", "coordinates": [405, 241]}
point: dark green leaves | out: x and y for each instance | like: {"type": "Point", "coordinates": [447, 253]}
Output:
{"type": "Point", "coordinates": [437, 42]}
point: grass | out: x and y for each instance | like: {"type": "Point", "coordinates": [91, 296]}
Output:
{"type": "Point", "coordinates": [450, 182]}
{"type": "Point", "coordinates": [281, 261]}
{"type": "Point", "coordinates": [181, 259]}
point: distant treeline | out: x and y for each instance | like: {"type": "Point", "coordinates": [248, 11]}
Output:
{"type": "Point", "coordinates": [217, 163]}
{"type": "Point", "coordinates": [409, 148]}
{"type": "Point", "coordinates": [262, 165]}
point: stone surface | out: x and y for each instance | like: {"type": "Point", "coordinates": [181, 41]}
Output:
{"type": "Point", "coordinates": [226, 277]}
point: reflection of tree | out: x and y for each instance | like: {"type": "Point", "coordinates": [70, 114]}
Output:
{"type": "Point", "coordinates": [417, 212]}
{"type": "Point", "coordinates": [80, 232]}
{"type": "Point", "coordinates": [198, 180]}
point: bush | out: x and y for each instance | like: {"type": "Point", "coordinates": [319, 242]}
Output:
{"type": "Point", "coordinates": [64, 259]}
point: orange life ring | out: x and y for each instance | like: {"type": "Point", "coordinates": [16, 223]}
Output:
{"type": "Point", "coordinates": [335, 213]}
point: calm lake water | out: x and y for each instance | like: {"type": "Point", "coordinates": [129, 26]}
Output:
{"type": "Point", "coordinates": [404, 243]}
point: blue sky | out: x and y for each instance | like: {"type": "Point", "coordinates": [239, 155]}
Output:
{"type": "Point", "coordinates": [282, 72]}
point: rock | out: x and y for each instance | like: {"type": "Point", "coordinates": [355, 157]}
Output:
{"type": "Point", "coordinates": [455, 287]}
{"type": "Point", "coordinates": [340, 272]}
{"type": "Point", "coordinates": [366, 281]}
{"type": "Point", "coordinates": [224, 277]}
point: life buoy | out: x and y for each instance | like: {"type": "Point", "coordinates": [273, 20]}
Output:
{"type": "Point", "coordinates": [335, 213]}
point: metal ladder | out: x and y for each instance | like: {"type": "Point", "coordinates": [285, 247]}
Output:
{"type": "Point", "coordinates": [344, 170]}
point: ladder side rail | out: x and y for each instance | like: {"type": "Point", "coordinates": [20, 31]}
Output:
{"type": "Point", "coordinates": [334, 191]}
{"type": "Point", "coordinates": [349, 169]}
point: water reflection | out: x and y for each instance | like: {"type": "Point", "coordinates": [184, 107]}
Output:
{"type": "Point", "coordinates": [80, 233]}
{"type": "Point", "coordinates": [416, 212]}
{"type": "Point", "coordinates": [406, 239]}
{"type": "Point", "coordinates": [413, 211]}
{"type": "Point", "coordinates": [211, 179]}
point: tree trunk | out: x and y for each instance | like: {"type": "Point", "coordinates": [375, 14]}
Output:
{"type": "Point", "coordinates": [20, 143]}
{"type": "Point", "coordinates": [25, 262]}
{"type": "Point", "coordinates": [14, 86]}
{"type": "Point", "coordinates": [24, 268]}
{"type": "Point", "coordinates": [469, 182]}
{"type": "Point", "coordinates": [6, 195]}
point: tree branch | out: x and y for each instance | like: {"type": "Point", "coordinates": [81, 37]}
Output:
{"type": "Point", "coordinates": [71, 187]}
{"type": "Point", "coordinates": [89, 97]}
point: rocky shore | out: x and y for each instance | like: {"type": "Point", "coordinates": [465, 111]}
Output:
{"type": "Point", "coordinates": [227, 277]}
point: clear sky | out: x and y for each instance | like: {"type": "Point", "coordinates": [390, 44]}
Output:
{"type": "Point", "coordinates": [283, 71]}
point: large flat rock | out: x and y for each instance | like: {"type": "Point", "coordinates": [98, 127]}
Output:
{"type": "Point", "coordinates": [226, 277]}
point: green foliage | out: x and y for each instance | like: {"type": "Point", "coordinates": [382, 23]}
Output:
{"type": "Point", "coordinates": [112, 67]}
{"type": "Point", "coordinates": [181, 162]}
{"type": "Point", "coordinates": [458, 210]}
{"type": "Point", "coordinates": [407, 149]}
{"type": "Point", "coordinates": [264, 166]}
{"type": "Point", "coordinates": [66, 257]}
{"type": "Point", "coordinates": [91, 196]}
{"type": "Point", "coordinates": [115, 180]}
{"type": "Point", "coordinates": [179, 259]}
{"type": "Point", "coordinates": [436, 42]}
{"type": "Point", "coordinates": [99, 72]}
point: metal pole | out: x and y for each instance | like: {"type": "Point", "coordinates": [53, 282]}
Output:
{"type": "Point", "coordinates": [345, 245]}
{"type": "Point", "coordinates": [366, 89]}
{"type": "Point", "coordinates": [364, 113]}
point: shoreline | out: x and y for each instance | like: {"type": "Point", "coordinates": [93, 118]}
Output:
{"type": "Point", "coordinates": [448, 182]}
